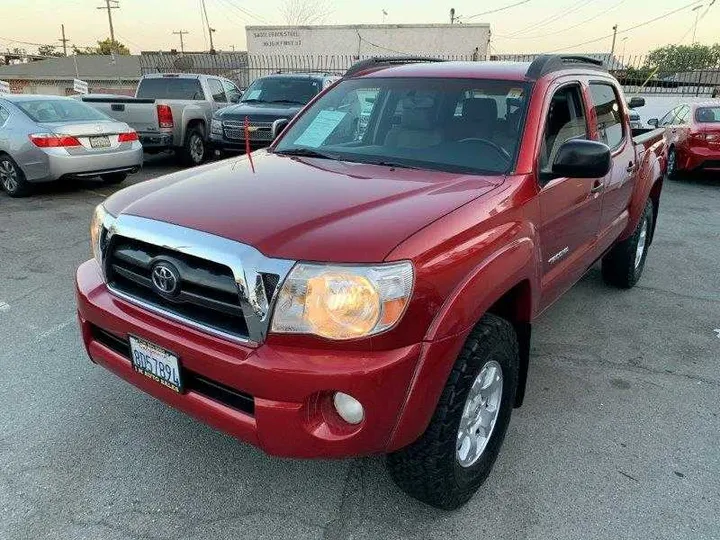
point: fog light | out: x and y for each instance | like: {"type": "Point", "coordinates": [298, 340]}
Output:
{"type": "Point", "coordinates": [348, 408]}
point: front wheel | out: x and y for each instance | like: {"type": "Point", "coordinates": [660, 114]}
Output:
{"type": "Point", "coordinates": [449, 462]}
{"type": "Point", "coordinates": [624, 264]}
{"type": "Point", "coordinates": [12, 178]}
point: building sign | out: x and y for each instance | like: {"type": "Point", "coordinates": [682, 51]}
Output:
{"type": "Point", "coordinates": [81, 87]}
{"type": "Point", "coordinates": [271, 39]}
{"type": "Point", "coordinates": [4, 87]}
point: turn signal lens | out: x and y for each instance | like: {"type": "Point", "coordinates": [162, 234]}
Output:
{"type": "Point", "coordinates": [99, 225]}
{"type": "Point", "coordinates": [343, 302]}
{"type": "Point", "coordinates": [51, 140]}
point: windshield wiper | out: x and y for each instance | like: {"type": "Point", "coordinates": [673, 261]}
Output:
{"type": "Point", "coordinates": [305, 152]}
{"type": "Point", "coordinates": [394, 164]}
{"type": "Point", "coordinates": [293, 101]}
{"type": "Point", "coordinates": [251, 101]}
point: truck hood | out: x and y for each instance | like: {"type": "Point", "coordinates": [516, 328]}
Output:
{"type": "Point", "coordinates": [259, 112]}
{"type": "Point", "coordinates": [303, 208]}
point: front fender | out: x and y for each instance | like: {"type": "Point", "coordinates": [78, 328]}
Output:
{"type": "Point", "coordinates": [651, 168]}
{"type": "Point", "coordinates": [490, 280]}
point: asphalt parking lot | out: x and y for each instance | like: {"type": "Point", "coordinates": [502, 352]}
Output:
{"type": "Point", "coordinates": [619, 436]}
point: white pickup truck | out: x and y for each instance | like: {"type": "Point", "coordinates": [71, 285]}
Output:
{"type": "Point", "coordinates": [171, 111]}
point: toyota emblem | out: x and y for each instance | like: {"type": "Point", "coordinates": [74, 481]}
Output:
{"type": "Point", "coordinates": [165, 279]}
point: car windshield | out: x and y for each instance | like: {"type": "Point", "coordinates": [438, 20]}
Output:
{"type": "Point", "coordinates": [458, 125]}
{"type": "Point", "coordinates": [170, 88]}
{"type": "Point", "coordinates": [60, 110]}
{"type": "Point", "coordinates": [282, 90]}
{"type": "Point", "coordinates": [708, 115]}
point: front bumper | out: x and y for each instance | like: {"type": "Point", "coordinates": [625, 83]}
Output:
{"type": "Point", "coordinates": [218, 142]}
{"type": "Point", "coordinates": [291, 387]}
{"type": "Point", "coordinates": [56, 163]}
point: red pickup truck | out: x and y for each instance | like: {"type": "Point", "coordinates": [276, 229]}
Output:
{"type": "Point", "coordinates": [367, 284]}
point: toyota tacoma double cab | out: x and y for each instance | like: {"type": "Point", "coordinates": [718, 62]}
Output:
{"type": "Point", "coordinates": [369, 287]}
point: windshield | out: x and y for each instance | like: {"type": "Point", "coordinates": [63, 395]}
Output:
{"type": "Point", "coordinates": [708, 115]}
{"type": "Point", "coordinates": [60, 110]}
{"type": "Point", "coordinates": [170, 88]}
{"type": "Point", "coordinates": [457, 125]}
{"type": "Point", "coordinates": [282, 90]}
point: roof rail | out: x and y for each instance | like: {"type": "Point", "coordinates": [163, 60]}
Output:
{"type": "Point", "coordinates": [379, 62]}
{"type": "Point", "coordinates": [547, 63]}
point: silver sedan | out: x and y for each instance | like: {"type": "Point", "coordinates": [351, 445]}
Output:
{"type": "Point", "coordinates": [46, 138]}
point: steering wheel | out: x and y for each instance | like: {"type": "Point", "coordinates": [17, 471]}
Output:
{"type": "Point", "coordinates": [499, 149]}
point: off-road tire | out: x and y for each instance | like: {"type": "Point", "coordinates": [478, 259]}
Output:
{"type": "Point", "coordinates": [114, 178]}
{"type": "Point", "coordinates": [12, 178]}
{"type": "Point", "coordinates": [618, 266]}
{"type": "Point", "coordinates": [428, 469]}
{"type": "Point", "coordinates": [188, 154]}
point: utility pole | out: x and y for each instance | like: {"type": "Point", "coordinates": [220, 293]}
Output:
{"type": "Point", "coordinates": [210, 30]}
{"type": "Point", "coordinates": [110, 5]}
{"type": "Point", "coordinates": [612, 48]}
{"type": "Point", "coordinates": [181, 33]}
{"type": "Point", "coordinates": [452, 15]}
{"type": "Point", "coordinates": [696, 9]}
{"type": "Point", "coordinates": [64, 40]}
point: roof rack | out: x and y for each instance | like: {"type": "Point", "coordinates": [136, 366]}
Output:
{"type": "Point", "coordinates": [547, 63]}
{"type": "Point", "coordinates": [379, 62]}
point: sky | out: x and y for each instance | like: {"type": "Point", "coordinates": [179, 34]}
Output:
{"type": "Point", "coordinates": [534, 26]}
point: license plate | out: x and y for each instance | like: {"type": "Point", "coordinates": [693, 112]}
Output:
{"type": "Point", "coordinates": [156, 363]}
{"type": "Point", "coordinates": [100, 142]}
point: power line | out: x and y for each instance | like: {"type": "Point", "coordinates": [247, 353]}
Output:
{"type": "Point", "coordinates": [694, 24]}
{"type": "Point", "coordinates": [552, 18]}
{"type": "Point", "coordinates": [496, 10]}
{"type": "Point", "coordinates": [595, 40]}
{"type": "Point", "coordinates": [585, 21]}
{"type": "Point", "coordinates": [210, 29]}
{"type": "Point", "coordinates": [247, 12]}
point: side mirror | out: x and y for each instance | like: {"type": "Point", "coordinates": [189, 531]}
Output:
{"type": "Point", "coordinates": [580, 158]}
{"type": "Point", "coordinates": [278, 126]}
{"type": "Point", "coordinates": [654, 122]}
{"type": "Point", "coordinates": [235, 98]}
{"type": "Point", "coordinates": [636, 102]}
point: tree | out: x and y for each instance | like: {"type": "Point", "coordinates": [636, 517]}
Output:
{"type": "Point", "coordinates": [48, 50]}
{"type": "Point", "coordinates": [106, 46]}
{"type": "Point", "coordinates": [305, 12]}
{"type": "Point", "coordinates": [679, 58]}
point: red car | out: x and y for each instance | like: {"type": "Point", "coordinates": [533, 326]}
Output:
{"type": "Point", "coordinates": [367, 284]}
{"type": "Point", "coordinates": [693, 137]}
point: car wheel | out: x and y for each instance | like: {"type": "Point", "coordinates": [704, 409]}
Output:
{"type": "Point", "coordinates": [624, 264]}
{"type": "Point", "coordinates": [672, 167]}
{"type": "Point", "coordinates": [114, 178]}
{"type": "Point", "coordinates": [12, 178]}
{"type": "Point", "coordinates": [195, 150]}
{"type": "Point", "coordinates": [449, 462]}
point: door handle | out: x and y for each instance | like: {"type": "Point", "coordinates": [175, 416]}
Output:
{"type": "Point", "coordinates": [597, 187]}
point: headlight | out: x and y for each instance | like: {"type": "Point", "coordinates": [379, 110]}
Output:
{"type": "Point", "coordinates": [343, 302]}
{"type": "Point", "coordinates": [99, 225]}
{"type": "Point", "coordinates": [216, 126]}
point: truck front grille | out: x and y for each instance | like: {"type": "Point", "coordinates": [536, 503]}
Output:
{"type": "Point", "coordinates": [259, 131]}
{"type": "Point", "coordinates": [204, 292]}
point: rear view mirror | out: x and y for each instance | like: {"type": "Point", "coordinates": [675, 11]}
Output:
{"type": "Point", "coordinates": [580, 158]}
{"type": "Point", "coordinates": [654, 122]}
{"type": "Point", "coordinates": [636, 102]}
{"type": "Point", "coordinates": [278, 126]}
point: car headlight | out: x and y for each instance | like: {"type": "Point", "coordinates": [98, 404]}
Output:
{"type": "Point", "coordinates": [99, 226]}
{"type": "Point", "coordinates": [343, 302]}
{"type": "Point", "coordinates": [216, 126]}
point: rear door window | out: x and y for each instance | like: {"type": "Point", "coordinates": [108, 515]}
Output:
{"type": "Point", "coordinates": [170, 88]}
{"type": "Point", "coordinates": [609, 117]}
{"type": "Point", "coordinates": [217, 91]}
{"type": "Point", "coordinates": [707, 115]}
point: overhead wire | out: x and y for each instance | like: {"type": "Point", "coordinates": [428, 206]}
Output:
{"type": "Point", "coordinates": [552, 18]}
{"type": "Point", "coordinates": [496, 10]}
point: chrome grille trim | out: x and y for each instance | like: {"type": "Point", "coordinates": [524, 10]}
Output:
{"type": "Point", "coordinates": [246, 263]}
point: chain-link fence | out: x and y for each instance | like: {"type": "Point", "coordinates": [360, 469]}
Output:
{"type": "Point", "coordinates": [637, 74]}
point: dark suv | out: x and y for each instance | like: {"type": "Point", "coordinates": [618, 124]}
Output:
{"type": "Point", "coordinates": [267, 99]}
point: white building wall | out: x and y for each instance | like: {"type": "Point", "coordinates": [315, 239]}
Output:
{"type": "Point", "coordinates": [370, 40]}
